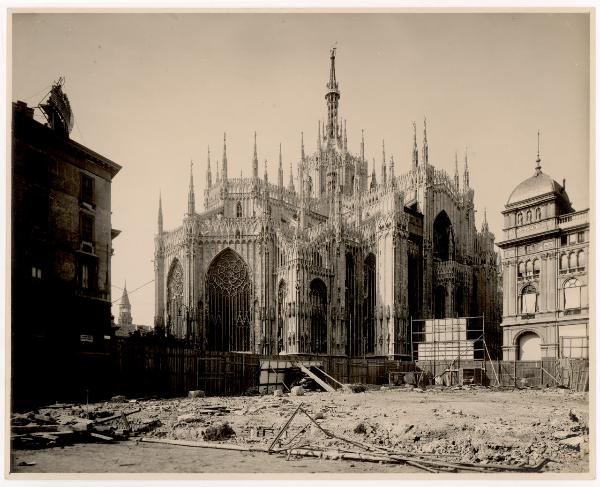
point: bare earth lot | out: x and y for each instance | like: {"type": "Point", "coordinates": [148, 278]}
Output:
{"type": "Point", "coordinates": [476, 425]}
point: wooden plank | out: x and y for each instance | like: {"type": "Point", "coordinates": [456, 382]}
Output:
{"type": "Point", "coordinates": [323, 384]}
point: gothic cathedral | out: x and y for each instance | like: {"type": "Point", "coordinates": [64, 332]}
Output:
{"type": "Point", "coordinates": [335, 262]}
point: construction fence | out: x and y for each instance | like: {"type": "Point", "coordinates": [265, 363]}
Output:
{"type": "Point", "coordinates": [140, 368]}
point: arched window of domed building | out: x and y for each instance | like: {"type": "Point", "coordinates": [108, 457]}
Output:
{"type": "Point", "coordinates": [572, 260]}
{"type": "Point", "coordinates": [528, 217]}
{"type": "Point", "coordinates": [572, 294]}
{"type": "Point", "coordinates": [519, 218]}
{"type": "Point", "coordinates": [564, 261]}
{"type": "Point", "coordinates": [528, 300]}
{"type": "Point", "coordinates": [529, 267]}
{"type": "Point", "coordinates": [538, 214]}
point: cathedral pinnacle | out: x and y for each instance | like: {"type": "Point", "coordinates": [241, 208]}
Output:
{"type": "Point", "coordinates": [208, 171]}
{"type": "Point", "coordinates": [362, 145]}
{"type": "Point", "coordinates": [160, 214]}
{"type": "Point", "coordinates": [383, 168]}
{"type": "Point", "coordinates": [456, 178]}
{"type": "Point", "coordinates": [280, 169]}
{"type": "Point", "coordinates": [266, 177]}
{"type": "Point", "coordinates": [224, 167]}
{"type": "Point", "coordinates": [255, 160]}
{"type": "Point", "coordinates": [466, 171]}
{"type": "Point", "coordinates": [291, 183]}
{"type": "Point", "coordinates": [373, 177]}
{"type": "Point", "coordinates": [191, 198]}
{"type": "Point", "coordinates": [415, 154]}
{"type": "Point", "coordinates": [345, 137]}
{"type": "Point", "coordinates": [332, 96]}
{"type": "Point", "coordinates": [425, 144]}
{"type": "Point", "coordinates": [391, 170]}
{"type": "Point", "coordinates": [302, 146]}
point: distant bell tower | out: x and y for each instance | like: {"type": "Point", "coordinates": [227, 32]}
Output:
{"type": "Point", "coordinates": [125, 319]}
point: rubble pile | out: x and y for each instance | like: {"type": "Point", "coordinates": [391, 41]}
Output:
{"type": "Point", "coordinates": [469, 426]}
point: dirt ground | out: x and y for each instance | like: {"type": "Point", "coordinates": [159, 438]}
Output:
{"type": "Point", "coordinates": [475, 425]}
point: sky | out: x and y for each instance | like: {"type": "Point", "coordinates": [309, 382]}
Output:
{"type": "Point", "coordinates": [153, 91]}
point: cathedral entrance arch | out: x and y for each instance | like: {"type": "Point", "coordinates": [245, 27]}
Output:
{"type": "Point", "coordinates": [228, 289]}
{"type": "Point", "coordinates": [175, 299]}
{"type": "Point", "coordinates": [443, 237]}
{"type": "Point", "coordinates": [318, 316]}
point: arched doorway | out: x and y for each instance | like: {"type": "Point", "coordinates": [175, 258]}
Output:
{"type": "Point", "coordinates": [228, 290]}
{"type": "Point", "coordinates": [443, 237]}
{"type": "Point", "coordinates": [318, 316]}
{"type": "Point", "coordinates": [439, 302]}
{"type": "Point", "coordinates": [175, 316]}
{"type": "Point", "coordinates": [530, 346]}
{"type": "Point", "coordinates": [368, 334]}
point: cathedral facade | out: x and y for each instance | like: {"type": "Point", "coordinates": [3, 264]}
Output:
{"type": "Point", "coordinates": [334, 262]}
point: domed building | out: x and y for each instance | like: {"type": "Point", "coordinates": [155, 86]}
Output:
{"type": "Point", "coordinates": [545, 272]}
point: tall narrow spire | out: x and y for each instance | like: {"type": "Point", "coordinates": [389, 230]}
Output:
{"type": "Point", "coordinates": [332, 96]}
{"type": "Point", "coordinates": [362, 145]}
{"type": "Point", "coordinates": [319, 137]}
{"type": "Point", "coordinates": [291, 183]}
{"type": "Point", "coordinates": [301, 146]}
{"type": "Point", "coordinates": [266, 177]}
{"type": "Point", "coordinates": [538, 165]}
{"type": "Point", "coordinates": [224, 167]}
{"type": "Point", "coordinates": [425, 144]}
{"type": "Point", "coordinates": [383, 168]}
{"type": "Point", "coordinates": [345, 137]}
{"type": "Point", "coordinates": [255, 160]}
{"type": "Point", "coordinates": [208, 171]}
{"type": "Point", "coordinates": [280, 169]}
{"type": "Point", "coordinates": [466, 171]}
{"type": "Point", "coordinates": [415, 152]}
{"type": "Point", "coordinates": [484, 226]}
{"type": "Point", "coordinates": [391, 170]}
{"type": "Point", "coordinates": [373, 177]}
{"type": "Point", "coordinates": [191, 198]}
{"type": "Point", "coordinates": [456, 178]}
{"type": "Point", "coordinates": [160, 214]}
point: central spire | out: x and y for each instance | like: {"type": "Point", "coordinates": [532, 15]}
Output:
{"type": "Point", "coordinates": [332, 96]}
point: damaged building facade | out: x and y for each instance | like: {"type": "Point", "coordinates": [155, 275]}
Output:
{"type": "Point", "coordinates": [335, 261]}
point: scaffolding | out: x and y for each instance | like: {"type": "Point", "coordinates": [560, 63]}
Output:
{"type": "Point", "coordinates": [453, 350]}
